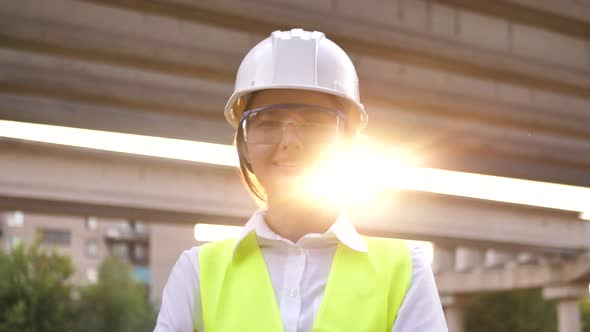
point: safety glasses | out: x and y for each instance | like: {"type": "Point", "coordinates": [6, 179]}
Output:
{"type": "Point", "coordinates": [313, 124]}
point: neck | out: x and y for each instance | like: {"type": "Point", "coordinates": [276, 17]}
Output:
{"type": "Point", "coordinates": [293, 221]}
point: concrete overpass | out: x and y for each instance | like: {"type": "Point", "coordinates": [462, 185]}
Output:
{"type": "Point", "coordinates": [499, 88]}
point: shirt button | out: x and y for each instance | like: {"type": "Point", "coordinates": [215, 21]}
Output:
{"type": "Point", "coordinates": [294, 292]}
{"type": "Point", "coordinates": [296, 250]}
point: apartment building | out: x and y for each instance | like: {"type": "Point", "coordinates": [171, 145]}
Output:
{"type": "Point", "coordinates": [86, 239]}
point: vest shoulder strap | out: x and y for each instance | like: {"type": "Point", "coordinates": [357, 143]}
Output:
{"type": "Point", "coordinates": [394, 257]}
{"type": "Point", "coordinates": [236, 289]}
{"type": "Point", "coordinates": [213, 260]}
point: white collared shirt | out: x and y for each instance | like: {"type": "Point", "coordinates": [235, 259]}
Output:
{"type": "Point", "coordinates": [299, 273]}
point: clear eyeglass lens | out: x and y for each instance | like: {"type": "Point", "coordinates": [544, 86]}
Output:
{"type": "Point", "coordinates": [312, 125]}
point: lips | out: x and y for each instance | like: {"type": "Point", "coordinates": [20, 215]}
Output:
{"type": "Point", "coordinates": [288, 167]}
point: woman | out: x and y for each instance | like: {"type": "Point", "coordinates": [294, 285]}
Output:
{"type": "Point", "coordinates": [298, 265]}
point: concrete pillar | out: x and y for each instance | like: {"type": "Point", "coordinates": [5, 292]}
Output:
{"type": "Point", "coordinates": [443, 258]}
{"type": "Point", "coordinates": [454, 316]}
{"type": "Point", "coordinates": [454, 307]}
{"type": "Point", "coordinates": [568, 316]}
{"type": "Point", "coordinates": [568, 309]}
{"type": "Point", "coordinates": [495, 258]}
{"type": "Point", "coordinates": [467, 258]}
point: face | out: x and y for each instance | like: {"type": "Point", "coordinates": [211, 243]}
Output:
{"type": "Point", "coordinates": [278, 165]}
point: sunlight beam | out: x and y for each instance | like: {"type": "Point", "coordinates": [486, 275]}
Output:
{"type": "Point", "coordinates": [378, 169]}
{"type": "Point", "coordinates": [218, 154]}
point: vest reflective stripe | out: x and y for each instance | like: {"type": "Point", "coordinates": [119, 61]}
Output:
{"type": "Point", "coordinates": [363, 293]}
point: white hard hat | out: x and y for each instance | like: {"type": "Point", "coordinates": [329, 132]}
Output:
{"type": "Point", "coordinates": [296, 59]}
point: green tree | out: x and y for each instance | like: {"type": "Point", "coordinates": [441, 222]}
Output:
{"type": "Point", "coordinates": [515, 311]}
{"type": "Point", "coordinates": [116, 303]}
{"type": "Point", "coordinates": [34, 290]}
{"type": "Point", "coordinates": [585, 307]}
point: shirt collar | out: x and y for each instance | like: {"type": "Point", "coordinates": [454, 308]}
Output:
{"type": "Point", "coordinates": [342, 229]}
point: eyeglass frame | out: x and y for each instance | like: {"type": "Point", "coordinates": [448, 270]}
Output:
{"type": "Point", "coordinates": [340, 115]}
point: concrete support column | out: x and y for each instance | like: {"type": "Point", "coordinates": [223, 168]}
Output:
{"type": "Point", "coordinates": [454, 316]}
{"type": "Point", "coordinates": [568, 310]}
{"type": "Point", "coordinates": [467, 258]}
{"type": "Point", "coordinates": [443, 259]}
{"type": "Point", "coordinates": [568, 316]}
{"type": "Point", "coordinates": [454, 307]}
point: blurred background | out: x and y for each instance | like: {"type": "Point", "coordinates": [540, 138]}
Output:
{"type": "Point", "coordinates": [478, 95]}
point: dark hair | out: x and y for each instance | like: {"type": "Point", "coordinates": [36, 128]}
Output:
{"type": "Point", "coordinates": [246, 173]}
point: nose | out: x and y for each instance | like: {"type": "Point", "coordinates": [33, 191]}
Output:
{"type": "Point", "coordinates": [290, 138]}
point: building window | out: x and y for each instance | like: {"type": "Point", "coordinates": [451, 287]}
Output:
{"type": "Point", "coordinates": [139, 252]}
{"type": "Point", "coordinates": [92, 275]}
{"type": "Point", "coordinates": [55, 236]}
{"type": "Point", "coordinates": [91, 223]}
{"type": "Point", "coordinates": [11, 241]}
{"type": "Point", "coordinates": [91, 248]}
{"type": "Point", "coordinates": [123, 225]}
{"type": "Point", "coordinates": [15, 219]}
{"type": "Point", "coordinates": [139, 227]}
{"type": "Point", "coordinates": [121, 250]}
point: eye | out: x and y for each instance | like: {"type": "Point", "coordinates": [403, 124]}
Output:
{"type": "Point", "coordinates": [319, 126]}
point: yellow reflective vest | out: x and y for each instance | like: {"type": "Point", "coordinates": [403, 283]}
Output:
{"type": "Point", "coordinates": [363, 293]}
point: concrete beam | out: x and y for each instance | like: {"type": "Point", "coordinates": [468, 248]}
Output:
{"type": "Point", "coordinates": [117, 182]}
{"type": "Point", "coordinates": [88, 51]}
{"type": "Point", "coordinates": [455, 101]}
{"type": "Point", "coordinates": [370, 38]}
{"type": "Point", "coordinates": [567, 17]}
{"type": "Point", "coordinates": [116, 118]}
{"type": "Point", "coordinates": [73, 79]}
{"type": "Point", "coordinates": [47, 176]}
{"type": "Point", "coordinates": [257, 19]}
{"type": "Point", "coordinates": [169, 95]}
{"type": "Point", "coordinates": [137, 93]}
{"type": "Point", "coordinates": [572, 291]}
{"type": "Point", "coordinates": [154, 92]}
{"type": "Point", "coordinates": [80, 79]}
{"type": "Point", "coordinates": [440, 128]}
{"type": "Point", "coordinates": [516, 277]}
